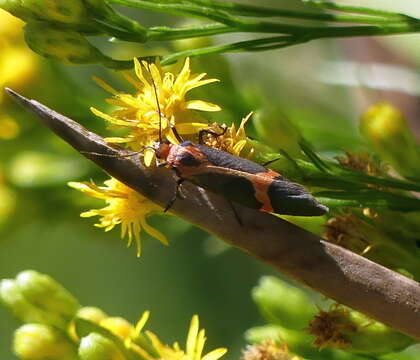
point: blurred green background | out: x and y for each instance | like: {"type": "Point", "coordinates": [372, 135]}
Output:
{"type": "Point", "coordinates": [322, 87]}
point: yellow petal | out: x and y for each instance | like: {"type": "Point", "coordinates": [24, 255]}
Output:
{"type": "Point", "coordinates": [118, 140]}
{"type": "Point", "coordinates": [139, 72]}
{"type": "Point", "coordinates": [193, 84]}
{"type": "Point", "coordinates": [104, 85]}
{"type": "Point", "coordinates": [201, 339]}
{"type": "Point", "coordinates": [201, 105]}
{"type": "Point", "coordinates": [149, 155]}
{"type": "Point", "coordinates": [215, 354]}
{"type": "Point", "coordinates": [155, 233]}
{"type": "Point", "coordinates": [190, 128]}
{"type": "Point", "coordinates": [142, 321]}
{"type": "Point", "coordinates": [89, 213]}
{"type": "Point", "coordinates": [112, 119]}
{"type": "Point", "coordinates": [155, 341]}
{"type": "Point", "coordinates": [172, 138]}
{"type": "Point", "coordinates": [192, 336]}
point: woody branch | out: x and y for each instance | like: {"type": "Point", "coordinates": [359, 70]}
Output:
{"type": "Point", "coordinates": [334, 271]}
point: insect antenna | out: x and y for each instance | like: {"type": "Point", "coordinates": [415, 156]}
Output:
{"type": "Point", "coordinates": [157, 101]}
{"type": "Point", "coordinates": [178, 137]}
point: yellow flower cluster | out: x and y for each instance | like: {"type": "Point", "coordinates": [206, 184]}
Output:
{"type": "Point", "coordinates": [125, 207]}
{"type": "Point", "coordinates": [55, 326]}
{"type": "Point", "coordinates": [17, 66]}
{"type": "Point", "coordinates": [152, 113]}
{"type": "Point", "coordinates": [157, 107]}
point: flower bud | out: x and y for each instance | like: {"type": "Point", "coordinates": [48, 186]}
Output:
{"type": "Point", "coordinates": [283, 304]}
{"type": "Point", "coordinates": [97, 347]}
{"type": "Point", "coordinates": [43, 291]}
{"type": "Point", "coordinates": [36, 341]}
{"type": "Point", "coordinates": [60, 11]}
{"type": "Point", "coordinates": [91, 313]}
{"type": "Point", "coordinates": [298, 342]}
{"type": "Point", "coordinates": [66, 46]}
{"type": "Point", "coordinates": [118, 326]}
{"type": "Point", "coordinates": [354, 332]}
{"type": "Point", "coordinates": [385, 128]}
{"type": "Point", "coordinates": [12, 297]}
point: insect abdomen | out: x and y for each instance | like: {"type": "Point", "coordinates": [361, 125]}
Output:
{"type": "Point", "coordinates": [289, 198]}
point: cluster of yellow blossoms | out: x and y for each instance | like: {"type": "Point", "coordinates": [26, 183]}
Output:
{"type": "Point", "coordinates": [62, 329]}
{"type": "Point", "coordinates": [17, 66]}
{"type": "Point", "coordinates": [150, 114]}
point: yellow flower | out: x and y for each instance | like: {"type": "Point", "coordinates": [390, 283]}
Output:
{"type": "Point", "coordinates": [229, 139]}
{"type": "Point", "coordinates": [18, 65]}
{"type": "Point", "coordinates": [125, 207]}
{"type": "Point", "coordinates": [139, 113]}
{"type": "Point", "coordinates": [193, 348]}
{"type": "Point", "coordinates": [11, 26]}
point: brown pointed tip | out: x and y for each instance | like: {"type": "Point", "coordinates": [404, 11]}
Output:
{"type": "Point", "coordinates": [19, 98]}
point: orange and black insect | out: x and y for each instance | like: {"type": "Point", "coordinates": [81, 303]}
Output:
{"type": "Point", "coordinates": [237, 179]}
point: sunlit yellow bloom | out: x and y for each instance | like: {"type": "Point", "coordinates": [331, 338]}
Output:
{"type": "Point", "coordinates": [17, 62]}
{"type": "Point", "coordinates": [229, 139]}
{"type": "Point", "coordinates": [11, 26]}
{"type": "Point", "coordinates": [139, 112]}
{"type": "Point", "coordinates": [193, 348]}
{"type": "Point", "coordinates": [125, 206]}
{"type": "Point", "coordinates": [9, 128]}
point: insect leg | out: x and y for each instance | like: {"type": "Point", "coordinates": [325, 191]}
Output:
{"type": "Point", "coordinates": [110, 155]}
{"type": "Point", "coordinates": [271, 161]}
{"type": "Point", "coordinates": [176, 133]}
{"type": "Point", "coordinates": [170, 203]}
{"type": "Point", "coordinates": [203, 132]}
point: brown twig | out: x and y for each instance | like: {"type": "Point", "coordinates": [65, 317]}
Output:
{"type": "Point", "coordinates": [337, 273]}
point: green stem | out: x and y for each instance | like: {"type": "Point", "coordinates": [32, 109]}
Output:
{"type": "Point", "coordinates": [355, 9]}
{"type": "Point", "coordinates": [249, 45]}
{"type": "Point", "coordinates": [243, 25]}
{"type": "Point", "coordinates": [184, 10]}
{"type": "Point", "coordinates": [256, 11]}
{"type": "Point", "coordinates": [164, 33]}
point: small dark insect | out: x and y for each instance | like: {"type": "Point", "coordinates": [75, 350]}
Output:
{"type": "Point", "coordinates": [237, 179]}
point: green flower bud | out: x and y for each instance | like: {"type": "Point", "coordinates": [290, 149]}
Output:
{"type": "Point", "coordinates": [67, 46]}
{"type": "Point", "coordinates": [43, 291]}
{"type": "Point", "coordinates": [298, 342]}
{"type": "Point", "coordinates": [386, 130]}
{"type": "Point", "coordinates": [283, 304]}
{"type": "Point", "coordinates": [91, 313]}
{"type": "Point", "coordinates": [354, 332]}
{"type": "Point", "coordinates": [36, 341]}
{"type": "Point", "coordinates": [97, 347]}
{"type": "Point", "coordinates": [60, 11]}
{"type": "Point", "coordinates": [12, 297]}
